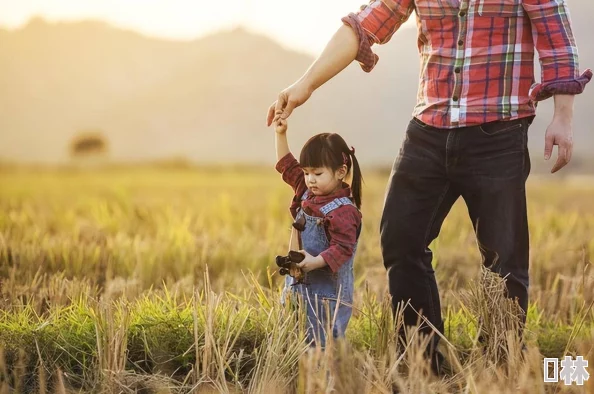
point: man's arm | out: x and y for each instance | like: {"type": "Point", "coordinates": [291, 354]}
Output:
{"type": "Point", "coordinates": [557, 50]}
{"type": "Point", "coordinates": [561, 78]}
{"type": "Point", "coordinates": [340, 51]}
{"type": "Point", "coordinates": [375, 23]}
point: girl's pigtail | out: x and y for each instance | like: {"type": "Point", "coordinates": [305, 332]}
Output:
{"type": "Point", "coordinates": [357, 179]}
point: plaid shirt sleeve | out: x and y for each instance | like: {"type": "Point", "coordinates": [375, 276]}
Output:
{"type": "Point", "coordinates": [342, 228]}
{"type": "Point", "coordinates": [556, 48]}
{"type": "Point", "coordinates": [375, 23]}
{"type": "Point", "coordinates": [292, 174]}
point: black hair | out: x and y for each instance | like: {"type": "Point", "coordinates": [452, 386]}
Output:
{"type": "Point", "coordinates": [330, 150]}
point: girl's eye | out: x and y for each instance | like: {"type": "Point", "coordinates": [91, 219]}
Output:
{"type": "Point", "coordinates": [319, 174]}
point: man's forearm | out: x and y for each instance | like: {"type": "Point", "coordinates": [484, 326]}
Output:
{"type": "Point", "coordinates": [340, 51]}
{"type": "Point", "coordinates": [564, 106]}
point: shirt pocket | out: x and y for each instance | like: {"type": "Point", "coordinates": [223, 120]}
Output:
{"type": "Point", "coordinates": [429, 9]}
{"type": "Point", "coordinates": [498, 8]}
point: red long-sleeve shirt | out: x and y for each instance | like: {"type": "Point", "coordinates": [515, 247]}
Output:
{"type": "Point", "coordinates": [477, 56]}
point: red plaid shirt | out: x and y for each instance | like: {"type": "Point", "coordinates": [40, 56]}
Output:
{"type": "Point", "coordinates": [341, 224]}
{"type": "Point", "coordinates": [477, 56]}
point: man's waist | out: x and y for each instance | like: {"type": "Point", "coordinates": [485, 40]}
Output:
{"type": "Point", "coordinates": [437, 118]}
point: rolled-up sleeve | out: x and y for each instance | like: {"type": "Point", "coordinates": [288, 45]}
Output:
{"type": "Point", "coordinates": [557, 50]}
{"type": "Point", "coordinates": [375, 23]}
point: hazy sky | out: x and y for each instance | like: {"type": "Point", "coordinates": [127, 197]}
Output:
{"type": "Point", "coordinates": [305, 24]}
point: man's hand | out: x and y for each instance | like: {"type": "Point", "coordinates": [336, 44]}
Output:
{"type": "Point", "coordinates": [311, 263]}
{"type": "Point", "coordinates": [289, 99]}
{"type": "Point", "coordinates": [560, 133]}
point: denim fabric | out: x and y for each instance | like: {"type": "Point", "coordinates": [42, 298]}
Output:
{"type": "Point", "coordinates": [488, 166]}
{"type": "Point", "coordinates": [327, 295]}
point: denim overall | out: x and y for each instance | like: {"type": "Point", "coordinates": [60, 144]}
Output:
{"type": "Point", "coordinates": [322, 289]}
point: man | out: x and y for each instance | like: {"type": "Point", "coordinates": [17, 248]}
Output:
{"type": "Point", "coordinates": [468, 135]}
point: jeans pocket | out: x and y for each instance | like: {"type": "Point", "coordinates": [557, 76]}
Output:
{"type": "Point", "coordinates": [418, 123]}
{"type": "Point", "coordinates": [498, 127]}
{"type": "Point", "coordinates": [322, 282]}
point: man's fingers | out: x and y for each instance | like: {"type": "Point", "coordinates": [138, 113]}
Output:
{"type": "Point", "coordinates": [549, 141]}
{"type": "Point", "coordinates": [281, 102]}
{"type": "Point", "coordinates": [288, 109]}
{"type": "Point", "coordinates": [275, 108]}
{"type": "Point", "coordinates": [562, 158]}
{"type": "Point", "coordinates": [271, 111]}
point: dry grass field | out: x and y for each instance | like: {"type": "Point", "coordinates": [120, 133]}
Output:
{"type": "Point", "coordinates": [162, 280]}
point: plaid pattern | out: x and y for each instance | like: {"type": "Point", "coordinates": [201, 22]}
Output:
{"type": "Point", "coordinates": [341, 224]}
{"type": "Point", "coordinates": [477, 56]}
{"type": "Point", "coordinates": [332, 205]}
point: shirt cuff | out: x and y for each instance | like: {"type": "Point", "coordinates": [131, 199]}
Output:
{"type": "Point", "coordinates": [365, 56]}
{"type": "Point", "coordinates": [285, 163]}
{"type": "Point", "coordinates": [543, 91]}
{"type": "Point", "coordinates": [331, 259]}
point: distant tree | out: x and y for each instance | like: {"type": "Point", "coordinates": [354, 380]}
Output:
{"type": "Point", "coordinates": [91, 143]}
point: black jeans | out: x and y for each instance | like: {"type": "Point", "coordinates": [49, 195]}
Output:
{"type": "Point", "coordinates": [488, 166]}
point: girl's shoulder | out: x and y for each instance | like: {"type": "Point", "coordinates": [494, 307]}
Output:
{"type": "Point", "coordinates": [341, 210]}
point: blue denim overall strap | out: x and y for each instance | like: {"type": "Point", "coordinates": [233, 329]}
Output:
{"type": "Point", "coordinates": [322, 288]}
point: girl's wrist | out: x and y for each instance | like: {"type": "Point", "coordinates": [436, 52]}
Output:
{"type": "Point", "coordinates": [320, 262]}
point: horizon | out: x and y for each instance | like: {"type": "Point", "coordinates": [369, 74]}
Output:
{"type": "Point", "coordinates": [184, 20]}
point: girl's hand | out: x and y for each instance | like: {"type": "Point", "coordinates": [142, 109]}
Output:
{"type": "Point", "coordinates": [280, 124]}
{"type": "Point", "coordinates": [311, 263]}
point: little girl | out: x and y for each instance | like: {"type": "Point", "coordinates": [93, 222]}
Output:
{"type": "Point", "coordinates": [326, 212]}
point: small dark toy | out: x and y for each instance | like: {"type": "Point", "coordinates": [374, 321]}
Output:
{"type": "Point", "coordinates": [288, 265]}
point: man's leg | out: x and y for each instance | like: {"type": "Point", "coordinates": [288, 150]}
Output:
{"type": "Point", "coordinates": [418, 198]}
{"type": "Point", "coordinates": [493, 170]}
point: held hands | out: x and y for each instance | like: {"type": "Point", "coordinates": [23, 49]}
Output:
{"type": "Point", "coordinates": [280, 123]}
{"type": "Point", "coordinates": [311, 263]}
{"type": "Point", "coordinates": [289, 99]}
{"type": "Point", "coordinates": [559, 133]}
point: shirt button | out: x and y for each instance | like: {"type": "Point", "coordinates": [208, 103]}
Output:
{"type": "Point", "coordinates": [457, 70]}
{"type": "Point", "coordinates": [455, 98]}
{"type": "Point", "coordinates": [460, 42]}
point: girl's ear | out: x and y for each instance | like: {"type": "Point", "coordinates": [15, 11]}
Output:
{"type": "Point", "coordinates": [341, 172]}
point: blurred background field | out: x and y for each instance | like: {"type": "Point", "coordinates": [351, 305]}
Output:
{"type": "Point", "coordinates": [104, 270]}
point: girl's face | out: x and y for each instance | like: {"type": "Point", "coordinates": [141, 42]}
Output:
{"type": "Point", "coordinates": [322, 181]}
